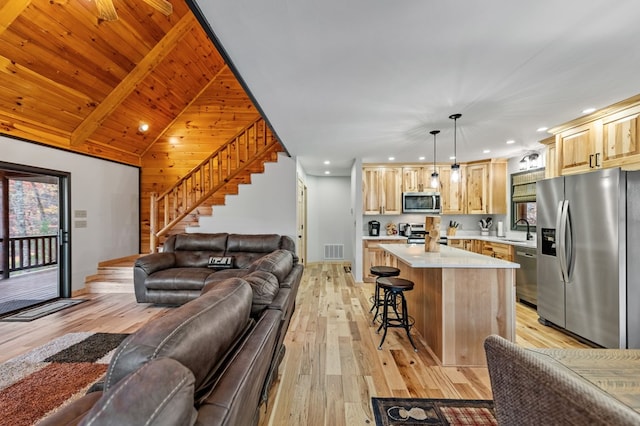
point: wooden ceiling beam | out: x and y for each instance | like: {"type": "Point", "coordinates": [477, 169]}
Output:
{"type": "Point", "coordinates": [10, 10]}
{"type": "Point", "coordinates": [95, 119]}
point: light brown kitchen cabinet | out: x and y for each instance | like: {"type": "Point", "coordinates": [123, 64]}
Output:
{"type": "Point", "coordinates": [551, 158]}
{"type": "Point", "coordinates": [382, 190]}
{"type": "Point", "coordinates": [580, 148]}
{"type": "Point", "coordinates": [417, 179]}
{"type": "Point", "coordinates": [498, 250]}
{"type": "Point", "coordinates": [620, 144]}
{"type": "Point", "coordinates": [461, 243]}
{"type": "Point", "coordinates": [452, 197]}
{"type": "Point", "coordinates": [373, 255]}
{"type": "Point", "coordinates": [486, 187]}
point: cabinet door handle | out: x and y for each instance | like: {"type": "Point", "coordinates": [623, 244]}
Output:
{"type": "Point", "coordinates": [591, 161]}
{"type": "Point", "coordinates": [597, 159]}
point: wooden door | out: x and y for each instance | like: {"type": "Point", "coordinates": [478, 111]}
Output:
{"type": "Point", "coordinates": [452, 193]}
{"type": "Point", "coordinates": [371, 201]}
{"type": "Point", "coordinates": [578, 149]}
{"type": "Point", "coordinates": [621, 147]}
{"type": "Point", "coordinates": [477, 181]}
{"type": "Point", "coordinates": [391, 190]}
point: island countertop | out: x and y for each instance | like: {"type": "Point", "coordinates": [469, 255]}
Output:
{"type": "Point", "coordinates": [448, 257]}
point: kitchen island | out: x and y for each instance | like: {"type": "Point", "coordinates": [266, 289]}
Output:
{"type": "Point", "coordinates": [459, 298]}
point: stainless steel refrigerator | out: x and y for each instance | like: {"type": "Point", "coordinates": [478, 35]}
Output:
{"type": "Point", "coordinates": [588, 247]}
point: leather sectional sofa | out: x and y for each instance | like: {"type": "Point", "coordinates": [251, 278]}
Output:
{"type": "Point", "coordinates": [207, 363]}
{"type": "Point", "coordinates": [180, 272]}
{"type": "Point", "coordinates": [210, 360]}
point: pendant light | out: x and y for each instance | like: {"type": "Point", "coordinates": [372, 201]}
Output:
{"type": "Point", "coordinates": [455, 167]}
{"type": "Point", "coordinates": [434, 175]}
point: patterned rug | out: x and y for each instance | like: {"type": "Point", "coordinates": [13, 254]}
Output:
{"type": "Point", "coordinates": [413, 411]}
{"type": "Point", "coordinates": [46, 378]}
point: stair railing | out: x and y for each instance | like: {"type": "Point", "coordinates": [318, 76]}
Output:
{"type": "Point", "coordinates": [224, 164]}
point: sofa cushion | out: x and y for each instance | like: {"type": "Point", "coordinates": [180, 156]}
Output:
{"type": "Point", "coordinates": [218, 276]}
{"type": "Point", "coordinates": [198, 334]}
{"type": "Point", "coordinates": [159, 393]}
{"type": "Point", "coordinates": [278, 262]}
{"type": "Point", "coordinates": [201, 242]}
{"type": "Point", "coordinates": [265, 288]}
{"type": "Point", "coordinates": [247, 248]}
{"type": "Point", "coordinates": [178, 279]}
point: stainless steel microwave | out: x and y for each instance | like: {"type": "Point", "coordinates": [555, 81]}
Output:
{"type": "Point", "coordinates": [420, 202]}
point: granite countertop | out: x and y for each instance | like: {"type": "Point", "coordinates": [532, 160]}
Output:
{"type": "Point", "coordinates": [448, 257]}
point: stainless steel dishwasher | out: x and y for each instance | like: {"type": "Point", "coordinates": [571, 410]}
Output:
{"type": "Point", "coordinates": [526, 275]}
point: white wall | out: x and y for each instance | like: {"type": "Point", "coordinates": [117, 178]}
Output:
{"type": "Point", "coordinates": [109, 192]}
{"type": "Point", "coordinates": [267, 206]}
{"type": "Point", "coordinates": [329, 216]}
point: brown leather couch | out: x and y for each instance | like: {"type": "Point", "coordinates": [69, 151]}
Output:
{"type": "Point", "coordinates": [180, 272]}
{"type": "Point", "coordinates": [207, 362]}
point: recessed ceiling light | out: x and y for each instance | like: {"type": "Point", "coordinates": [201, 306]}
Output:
{"type": "Point", "coordinates": [143, 127]}
{"type": "Point", "coordinates": [452, 157]}
{"type": "Point", "coordinates": [392, 158]}
{"type": "Point", "coordinates": [542, 129]}
{"type": "Point", "coordinates": [486, 151]}
{"type": "Point", "coordinates": [588, 110]}
{"type": "Point", "coordinates": [173, 140]}
{"type": "Point", "coordinates": [327, 172]}
{"type": "Point", "coordinates": [421, 158]}
{"type": "Point", "coordinates": [510, 141]}
{"type": "Point", "coordinates": [327, 162]}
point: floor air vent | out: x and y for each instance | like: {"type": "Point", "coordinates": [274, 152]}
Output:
{"type": "Point", "coordinates": [333, 251]}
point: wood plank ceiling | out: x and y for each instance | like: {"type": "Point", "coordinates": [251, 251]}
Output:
{"type": "Point", "coordinates": [71, 80]}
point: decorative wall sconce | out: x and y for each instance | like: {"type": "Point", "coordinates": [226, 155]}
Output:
{"type": "Point", "coordinates": [529, 161]}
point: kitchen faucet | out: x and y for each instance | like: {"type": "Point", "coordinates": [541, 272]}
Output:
{"type": "Point", "coordinates": [529, 236]}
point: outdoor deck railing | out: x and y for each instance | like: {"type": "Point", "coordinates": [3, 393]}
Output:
{"type": "Point", "coordinates": [30, 252]}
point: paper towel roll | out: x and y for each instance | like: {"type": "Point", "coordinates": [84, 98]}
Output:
{"type": "Point", "coordinates": [500, 229]}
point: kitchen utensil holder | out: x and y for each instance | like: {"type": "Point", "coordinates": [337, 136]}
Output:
{"type": "Point", "coordinates": [451, 231]}
{"type": "Point", "coordinates": [484, 233]}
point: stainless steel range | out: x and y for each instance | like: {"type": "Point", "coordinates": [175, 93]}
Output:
{"type": "Point", "coordinates": [416, 233]}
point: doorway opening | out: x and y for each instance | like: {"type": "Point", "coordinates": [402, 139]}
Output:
{"type": "Point", "coordinates": [34, 242]}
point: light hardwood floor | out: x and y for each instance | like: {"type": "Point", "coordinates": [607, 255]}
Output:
{"type": "Point", "coordinates": [332, 366]}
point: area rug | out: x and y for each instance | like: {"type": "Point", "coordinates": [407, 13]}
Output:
{"type": "Point", "coordinates": [43, 310]}
{"type": "Point", "coordinates": [46, 378]}
{"type": "Point", "coordinates": [413, 411]}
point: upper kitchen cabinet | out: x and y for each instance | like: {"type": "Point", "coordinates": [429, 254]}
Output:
{"type": "Point", "coordinates": [418, 179]}
{"type": "Point", "coordinates": [486, 187]}
{"type": "Point", "coordinates": [580, 148]}
{"type": "Point", "coordinates": [620, 139]}
{"type": "Point", "coordinates": [604, 139]}
{"type": "Point", "coordinates": [452, 197]}
{"type": "Point", "coordinates": [382, 190]}
{"type": "Point", "coordinates": [551, 158]}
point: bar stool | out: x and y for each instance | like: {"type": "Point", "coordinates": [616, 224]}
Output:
{"type": "Point", "coordinates": [394, 288]}
{"type": "Point", "coordinates": [380, 272]}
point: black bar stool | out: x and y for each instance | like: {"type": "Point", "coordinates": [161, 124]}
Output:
{"type": "Point", "coordinates": [380, 272]}
{"type": "Point", "coordinates": [394, 288]}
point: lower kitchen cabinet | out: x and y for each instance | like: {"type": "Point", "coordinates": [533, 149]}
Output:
{"type": "Point", "coordinates": [373, 255]}
{"type": "Point", "coordinates": [497, 250]}
{"type": "Point", "coordinates": [468, 244]}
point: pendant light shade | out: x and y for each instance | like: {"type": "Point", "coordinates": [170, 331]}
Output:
{"type": "Point", "coordinates": [434, 175]}
{"type": "Point", "coordinates": [455, 167]}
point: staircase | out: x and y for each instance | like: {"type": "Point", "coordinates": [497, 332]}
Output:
{"type": "Point", "coordinates": [113, 276]}
{"type": "Point", "coordinates": [208, 183]}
